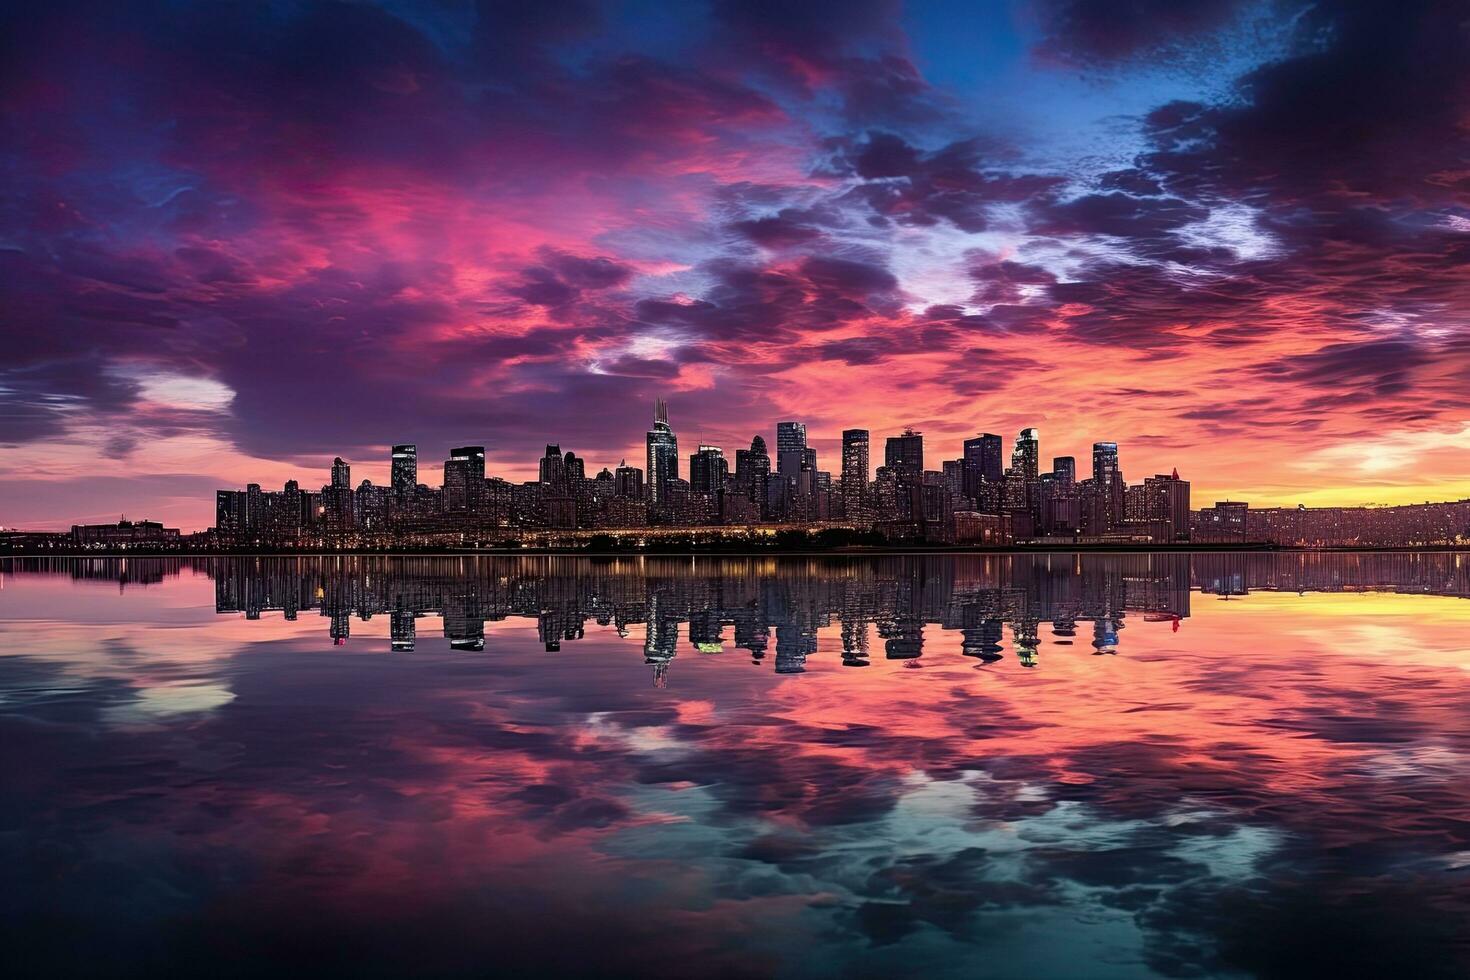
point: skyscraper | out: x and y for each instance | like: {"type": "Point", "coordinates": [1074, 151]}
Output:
{"type": "Point", "coordinates": [294, 512]}
{"type": "Point", "coordinates": [903, 456]}
{"type": "Point", "coordinates": [628, 481]}
{"type": "Point", "coordinates": [1026, 455]}
{"type": "Point", "coordinates": [752, 465]}
{"type": "Point", "coordinates": [1107, 488]}
{"type": "Point", "coordinates": [1105, 463]}
{"type": "Point", "coordinates": [229, 511]}
{"type": "Point", "coordinates": [789, 464]}
{"type": "Point", "coordinates": [790, 439]}
{"type": "Point", "coordinates": [336, 499]}
{"type": "Point", "coordinates": [982, 462]}
{"type": "Point", "coordinates": [575, 469]}
{"type": "Point", "coordinates": [254, 507]}
{"type": "Point", "coordinates": [708, 470]}
{"type": "Point", "coordinates": [1167, 499]}
{"type": "Point", "coordinates": [464, 477]}
{"type": "Point", "coordinates": [953, 473]}
{"type": "Point", "coordinates": [552, 471]}
{"type": "Point", "coordinates": [1064, 469]}
{"type": "Point", "coordinates": [905, 453]}
{"type": "Point", "coordinates": [404, 475]}
{"type": "Point", "coordinates": [752, 469]}
{"type": "Point", "coordinates": [663, 454]}
{"type": "Point", "coordinates": [855, 464]}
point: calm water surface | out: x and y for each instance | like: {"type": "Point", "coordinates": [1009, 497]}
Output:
{"type": "Point", "coordinates": [1009, 766]}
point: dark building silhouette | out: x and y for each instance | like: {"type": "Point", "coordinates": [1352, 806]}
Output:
{"type": "Point", "coordinates": [125, 533]}
{"type": "Point", "coordinates": [552, 471]}
{"type": "Point", "coordinates": [969, 500]}
{"type": "Point", "coordinates": [982, 463]}
{"type": "Point", "coordinates": [404, 474]}
{"type": "Point", "coordinates": [464, 478]}
{"type": "Point", "coordinates": [1167, 504]}
{"type": "Point", "coordinates": [1105, 469]}
{"type": "Point", "coordinates": [752, 474]}
{"type": "Point", "coordinates": [903, 458]}
{"type": "Point", "coordinates": [628, 481]}
{"type": "Point", "coordinates": [855, 469]}
{"type": "Point", "coordinates": [1104, 511]}
{"type": "Point", "coordinates": [905, 453]}
{"type": "Point", "coordinates": [790, 447]}
{"type": "Point", "coordinates": [708, 470]}
{"type": "Point", "coordinates": [1026, 455]}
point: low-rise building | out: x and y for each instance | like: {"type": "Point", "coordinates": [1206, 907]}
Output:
{"type": "Point", "coordinates": [124, 533]}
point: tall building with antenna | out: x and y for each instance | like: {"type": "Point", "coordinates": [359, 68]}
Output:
{"type": "Point", "coordinates": [663, 454]}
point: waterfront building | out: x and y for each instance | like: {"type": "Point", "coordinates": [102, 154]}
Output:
{"type": "Point", "coordinates": [1224, 523]}
{"type": "Point", "coordinates": [124, 534]}
{"type": "Point", "coordinates": [1167, 499]}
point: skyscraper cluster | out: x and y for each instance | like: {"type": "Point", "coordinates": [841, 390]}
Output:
{"type": "Point", "coordinates": [975, 498]}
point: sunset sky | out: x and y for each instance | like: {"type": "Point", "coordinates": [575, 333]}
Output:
{"type": "Point", "coordinates": [239, 239]}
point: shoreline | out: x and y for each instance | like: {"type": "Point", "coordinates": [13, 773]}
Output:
{"type": "Point", "coordinates": [854, 552]}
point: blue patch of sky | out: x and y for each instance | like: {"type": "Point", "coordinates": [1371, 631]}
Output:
{"type": "Point", "coordinates": [1069, 119]}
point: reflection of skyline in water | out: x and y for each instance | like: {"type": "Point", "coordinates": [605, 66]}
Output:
{"type": "Point", "coordinates": [998, 605]}
{"type": "Point", "coordinates": [1276, 788]}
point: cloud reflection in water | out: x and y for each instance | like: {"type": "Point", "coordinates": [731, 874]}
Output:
{"type": "Point", "coordinates": [1267, 785]}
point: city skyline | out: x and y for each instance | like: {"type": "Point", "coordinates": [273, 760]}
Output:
{"type": "Point", "coordinates": [404, 466]}
{"type": "Point", "coordinates": [430, 461]}
{"type": "Point", "coordinates": [964, 500]}
{"type": "Point", "coordinates": [466, 481]}
{"type": "Point", "coordinates": [894, 608]}
{"type": "Point", "coordinates": [237, 242]}
{"type": "Point", "coordinates": [909, 499]}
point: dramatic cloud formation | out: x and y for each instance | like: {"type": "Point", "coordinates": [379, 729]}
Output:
{"type": "Point", "coordinates": [236, 240]}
